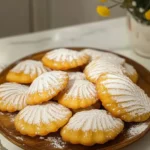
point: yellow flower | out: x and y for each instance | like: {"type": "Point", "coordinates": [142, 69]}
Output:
{"type": "Point", "coordinates": [103, 11]}
{"type": "Point", "coordinates": [103, 1]}
{"type": "Point", "coordinates": [147, 15]}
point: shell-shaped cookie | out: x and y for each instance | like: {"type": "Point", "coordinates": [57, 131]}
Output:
{"type": "Point", "coordinates": [42, 119]}
{"type": "Point", "coordinates": [105, 56]}
{"type": "Point", "coordinates": [26, 71]}
{"type": "Point", "coordinates": [123, 98]}
{"type": "Point", "coordinates": [76, 76]}
{"type": "Point", "coordinates": [112, 58]}
{"type": "Point", "coordinates": [97, 105]}
{"type": "Point", "coordinates": [64, 59]}
{"type": "Point", "coordinates": [91, 127]}
{"type": "Point", "coordinates": [2, 67]}
{"type": "Point", "coordinates": [78, 94]}
{"type": "Point", "coordinates": [94, 54]}
{"type": "Point", "coordinates": [98, 67]}
{"type": "Point", "coordinates": [47, 86]}
{"type": "Point", "coordinates": [29, 67]}
{"type": "Point", "coordinates": [12, 97]}
{"type": "Point", "coordinates": [131, 72]}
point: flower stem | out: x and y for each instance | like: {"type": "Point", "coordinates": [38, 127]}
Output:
{"type": "Point", "coordinates": [147, 6]}
{"type": "Point", "coordinates": [115, 1]}
{"type": "Point", "coordinates": [113, 5]}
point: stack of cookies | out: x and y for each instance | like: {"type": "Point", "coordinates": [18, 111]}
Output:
{"type": "Point", "coordinates": [86, 94]}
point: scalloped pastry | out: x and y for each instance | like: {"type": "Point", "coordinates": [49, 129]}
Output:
{"type": "Point", "coordinates": [47, 86]}
{"type": "Point", "coordinates": [94, 54]}
{"type": "Point", "coordinates": [42, 119]}
{"type": "Point", "coordinates": [97, 105]}
{"type": "Point", "coordinates": [78, 94]}
{"type": "Point", "coordinates": [12, 97]}
{"type": "Point", "coordinates": [98, 67]}
{"type": "Point", "coordinates": [64, 59]}
{"type": "Point", "coordinates": [115, 59]}
{"type": "Point", "coordinates": [131, 72]}
{"type": "Point", "coordinates": [122, 98]}
{"type": "Point", "coordinates": [26, 71]}
{"type": "Point", "coordinates": [76, 76]}
{"type": "Point", "coordinates": [91, 127]}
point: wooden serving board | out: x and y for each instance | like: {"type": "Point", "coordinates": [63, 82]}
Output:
{"type": "Point", "coordinates": [132, 131]}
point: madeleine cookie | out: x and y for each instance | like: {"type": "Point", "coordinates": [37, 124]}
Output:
{"type": "Point", "coordinates": [98, 67]}
{"type": "Point", "coordinates": [26, 71]}
{"type": "Point", "coordinates": [76, 76]}
{"type": "Point", "coordinates": [65, 59]}
{"type": "Point", "coordinates": [47, 86]}
{"type": "Point", "coordinates": [97, 105]}
{"type": "Point", "coordinates": [78, 94]}
{"type": "Point", "coordinates": [12, 97]}
{"type": "Point", "coordinates": [94, 54]}
{"type": "Point", "coordinates": [115, 59]}
{"type": "Point", "coordinates": [42, 119]}
{"type": "Point", "coordinates": [91, 127]}
{"type": "Point", "coordinates": [131, 72]}
{"type": "Point", "coordinates": [122, 98]}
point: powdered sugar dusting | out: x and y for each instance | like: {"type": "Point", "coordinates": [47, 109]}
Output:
{"type": "Point", "coordinates": [49, 81]}
{"type": "Point", "coordinates": [56, 142]}
{"type": "Point", "coordinates": [11, 117]}
{"type": "Point", "coordinates": [19, 138]}
{"type": "Point", "coordinates": [82, 89]}
{"type": "Point", "coordinates": [94, 120]}
{"type": "Point", "coordinates": [104, 55]}
{"type": "Point", "coordinates": [64, 55]}
{"type": "Point", "coordinates": [1, 113]}
{"type": "Point", "coordinates": [130, 69]}
{"type": "Point", "coordinates": [76, 76]}
{"type": "Point", "coordinates": [98, 67]}
{"type": "Point", "coordinates": [13, 94]}
{"type": "Point", "coordinates": [93, 53]}
{"type": "Point", "coordinates": [41, 138]}
{"type": "Point", "coordinates": [137, 129]}
{"type": "Point", "coordinates": [44, 113]}
{"type": "Point", "coordinates": [112, 58]}
{"type": "Point", "coordinates": [30, 67]}
{"type": "Point", "coordinates": [127, 94]}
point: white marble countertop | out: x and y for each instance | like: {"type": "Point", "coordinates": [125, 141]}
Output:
{"type": "Point", "coordinates": [110, 35]}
